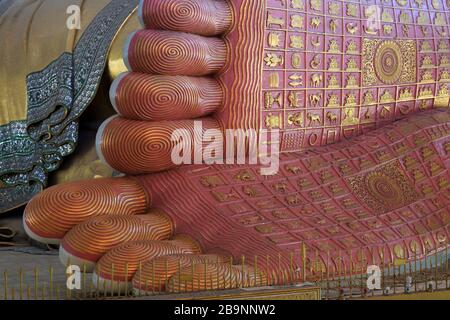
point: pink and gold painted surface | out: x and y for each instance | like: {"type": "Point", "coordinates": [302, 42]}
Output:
{"type": "Point", "coordinates": [318, 71]}
{"type": "Point", "coordinates": [361, 167]}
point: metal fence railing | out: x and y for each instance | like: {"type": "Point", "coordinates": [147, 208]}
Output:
{"type": "Point", "coordinates": [337, 280]}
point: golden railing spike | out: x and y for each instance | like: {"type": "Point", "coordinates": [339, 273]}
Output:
{"type": "Point", "coordinates": [436, 267]}
{"type": "Point", "coordinates": [446, 267]}
{"type": "Point", "coordinates": [415, 269]}
{"type": "Point", "coordinates": [339, 268]}
{"type": "Point", "coordinates": [211, 281]}
{"type": "Point", "coordinates": [153, 280]}
{"type": "Point", "coordinates": [192, 277]}
{"type": "Point", "coordinates": [361, 275]}
{"type": "Point", "coordinates": [344, 271]}
{"type": "Point", "coordinates": [104, 287]}
{"type": "Point", "coordinates": [91, 289]}
{"type": "Point", "coordinates": [243, 271]}
{"type": "Point", "coordinates": [247, 275]}
{"type": "Point", "coordinates": [127, 266]}
{"type": "Point", "coordinates": [372, 253]}
{"type": "Point", "coordinates": [68, 291]}
{"type": "Point", "coordinates": [198, 283]}
{"type": "Point", "coordinates": [291, 267]}
{"type": "Point", "coordinates": [394, 273]}
{"type": "Point", "coordinates": [217, 274]}
{"type": "Point", "coordinates": [36, 284]}
{"type": "Point", "coordinates": [206, 274]}
{"type": "Point", "coordinates": [179, 276]}
{"type": "Point", "coordinates": [255, 262]}
{"type": "Point", "coordinates": [389, 271]}
{"type": "Point", "coordinates": [5, 284]}
{"type": "Point", "coordinates": [381, 254]}
{"type": "Point", "coordinates": [406, 264]}
{"type": "Point", "coordinates": [317, 268]}
{"type": "Point", "coordinates": [304, 261]}
{"type": "Point", "coordinates": [409, 264]}
{"type": "Point", "coordinates": [140, 279]}
{"type": "Point", "coordinates": [112, 279]}
{"type": "Point", "coordinates": [351, 273]}
{"type": "Point", "coordinates": [166, 282]}
{"type": "Point", "coordinates": [84, 281]}
{"type": "Point", "coordinates": [20, 283]}
{"type": "Point", "coordinates": [50, 271]}
{"type": "Point", "coordinates": [58, 297]}
{"type": "Point", "coordinates": [426, 266]}
{"type": "Point", "coordinates": [321, 272]}
{"type": "Point", "coordinates": [97, 287]}
{"type": "Point", "coordinates": [328, 274]}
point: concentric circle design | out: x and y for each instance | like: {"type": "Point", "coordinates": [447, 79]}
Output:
{"type": "Point", "coordinates": [122, 262]}
{"type": "Point", "coordinates": [206, 18]}
{"type": "Point", "coordinates": [155, 274]}
{"type": "Point", "coordinates": [92, 239]}
{"type": "Point", "coordinates": [388, 62]}
{"type": "Point", "coordinates": [214, 276]}
{"type": "Point", "coordinates": [137, 147]}
{"type": "Point", "coordinates": [384, 189]}
{"type": "Point", "coordinates": [58, 209]}
{"type": "Point", "coordinates": [174, 53]}
{"type": "Point", "coordinates": [157, 98]}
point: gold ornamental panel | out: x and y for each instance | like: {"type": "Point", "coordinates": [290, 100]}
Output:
{"type": "Point", "coordinates": [389, 62]}
{"type": "Point", "coordinates": [384, 189]}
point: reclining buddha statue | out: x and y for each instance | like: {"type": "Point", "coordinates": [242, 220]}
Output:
{"type": "Point", "coordinates": [348, 99]}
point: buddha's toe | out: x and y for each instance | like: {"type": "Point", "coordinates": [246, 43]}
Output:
{"type": "Point", "coordinates": [155, 274]}
{"type": "Point", "coordinates": [51, 214]}
{"type": "Point", "coordinates": [204, 17]}
{"type": "Point", "coordinates": [215, 276]}
{"type": "Point", "coordinates": [171, 87]}
{"type": "Point", "coordinates": [174, 53]}
{"type": "Point", "coordinates": [136, 147]}
{"type": "Point", "coordinates": [114, 272]}
{"type": "Point", "coordinates": [87, 242]}
{"type": "Point", "coordinates": [147, 97]}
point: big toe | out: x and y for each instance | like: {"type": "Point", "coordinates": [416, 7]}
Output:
{"type": "Point", "coordinates": [51, 214]}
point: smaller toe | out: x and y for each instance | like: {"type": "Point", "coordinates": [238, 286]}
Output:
{"type": "Point", "coordinates": [114, 272]}
{"type": "Point", "coordinates": [214, 276]}
{"type": "Point", "coordinates": [139, 147]}
{"type": "Point", "coordinates": [87, 242]}
{"type": "Point", "coordinates": [146, 97]}
{"type": "Point", "coordinates": [154, 275]}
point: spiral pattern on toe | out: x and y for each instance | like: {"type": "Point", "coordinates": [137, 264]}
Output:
{"type": "Point", "coordinates": [136, 147]}
{"type": "Point", "coordinates": [156, 98]}
{"type": "Point", "coordinates": [173, 53]}
{"type": "Point", "coordinates": [56, 210]}
{"type": "Point", "coordinates": [122, 262]}
{"type": "Point", "coordinates": [202, 17]}
{"type": "Point", "coordinates": [154, 274]}
{"type": "Point", "coordinates": [214, 276]}
{"type": "Point", "coordinates": [92, 239]}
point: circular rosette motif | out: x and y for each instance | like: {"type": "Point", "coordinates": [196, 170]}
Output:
{"type": "Point", "coordinates": [388, 62]}
{"type": "Point", "coordinates": [384, 189]}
